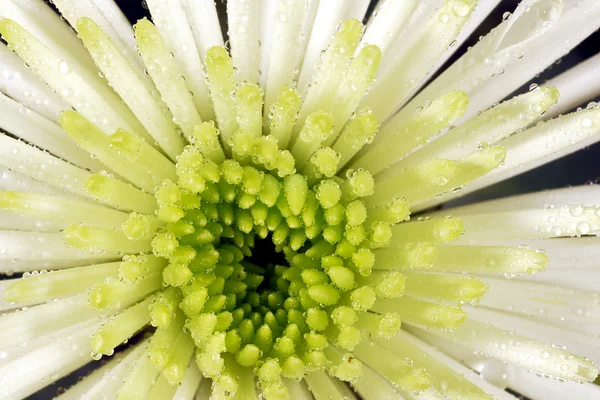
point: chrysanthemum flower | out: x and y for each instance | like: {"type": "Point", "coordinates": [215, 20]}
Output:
{"type": "Point", "coordinates": [253, 220]}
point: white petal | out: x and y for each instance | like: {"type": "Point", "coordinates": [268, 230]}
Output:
{"type": "Point", "coordinates": [104, 382]}
{"type": "Point", "coordinates": [13, 221]}
{"type": "Point", "coordinates": [203, 18]}
{"type": "Point", "coordinates": [579, 20]}
{"type": "Point", "coordinates": [191, 381]}
{"type": "Point", "coordinates": [18, 82]}
{"type": "Point", "coordinates": [26, 124]}
{"type": "Point", "coordinates": [532, 19]}
{"type": "Point", "coordinates": [534, 223]}
{"type": "Point", "coordinates": [577, 86]}
{"type": "Point", "coordinates": [329, 15]}
{"type": "Point", "coordinates": [457, 367]}
{"type": "Point", "coordinates": [574, 341]}
{"type": "Point", "coordinates": [420, 52]}
{"type": "Point", "coordinates": [6, 305]}
{"type": "Point", "coordinates": [531, 385]}
{"type": "Point", "coordinates": [284, 53]}
{"type": "Point", "coordinates": [388, 20]}
{"type": "Point", "coordinates": [41, 20]}
{"type": "Point", "coordinates": [42, 166]}
{"type": "Point", "coordinates": [33, 246]}
{"type": "Point", "coordinates": [118, 20]}
{"type": "Point", "coordinates": [357, 9]}
{"type": "Point", "coordinates": [137, 91]}
{"type": "Point", "coordinates": [580, 279]}
{"type": "Point", "coordinates": [585, 195]}
{"type": "Point", "coordinates": [85, 91]}
{"type": "Point", "coordinates": [56, 358]}
{"type": "Point", "coordinates": [10, 180]}
{"type": "Point", "coordinates": [106, 15]}
{"type": "Point", "coordinates": [298, 390]}
{"type": "Point", "coordinates": [481, 12]}
{"type": "Point", "coordinates": [513, 348]}
{"type": "Point", "coordinates": [267, 15]}
{"type": "Point", "coordinates": [30, 323]}
{"type": "Point", "coordinates": [243, 18]}
{"type": "Point", "coordinates": [175, 29]}
{"type": "Point", "coordinates": [553, 304]}
{"type": "Point", "coordinates": [504, 375]}
{"type": "Point", "coordinates": [537, 146]}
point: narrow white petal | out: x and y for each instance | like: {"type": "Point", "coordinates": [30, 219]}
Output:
{"type": "Point", "coordinates": [61, 211]}
{"type": "Point", "coordinates": [307, 28]}
{"type": "Point", "coordinates": [11, 221]}
{"type": "Point", "coordinates": [104, 382]}
{"type": "Point", "coordinates": [531, 385]}
{"type": "Point", "coordinates": [46, 25]}
{"type": "Point", "coordinates": [73, 10]}
{"type": "Point", "coordinates": [537, 223]}
{"type": "Point", "coordinates": [28, 125]}
{"type": "Point", "coordinates": [175, 29]}
{"type": "Point", "coordinates": [329, 15]}
{"type": "Point", "coordinates": [191, 381]}
{"type": "Point", "coordinates": [40, 367]}
{"type": "Point", "coordinates": [204, 21]}
{"type": "Point", "coordinates": [580, 279]}
{"type": "Point", "coordinates": [267, 19]}
{"type": "Point", "coordinates": [564, 253]}
{"type": "Point", "coordinates": [298, 390]}
{"type": "Point", "coordinates": [577, 86]}
{"type": "Point", "coordinates": [419, 54]}
{"type": "Point", "coordinates": [118, 20]}
{"type": "Point", "coordinates": [541, 53]}
{"type": "Point", "coordinates": [357, 9]}
{"type": "Point", "coordinates": [481, 12]}
{"type": "Point", "coordinates": [572, 340]}
{"type": "Point", "coordinates": [34, 246]}
{"type": "Point", "coordinates": [324, 387]}
{"type": "Point", "coordinates": [371, 385]}
{"type": "Point", "coordinates": [18, 82]}
{"type": "Point", "coordinates": [244, 36]}
{"type": "Point", "coordinates": [549, 303]}
{"type": "Point", "coordinates": [137, 91]}
{"type": "Point", "coordinates": [41, 166]}
{"type": "Point", "coordinates": [85, 92]}
{"type": "Point", "coordinates": [11, 266]}
{"type": "Point", "coordinates": [204, 390]}
{"type": "Point", "coordinates": [284, 53]}
{"type": "Point", "coordinates": [6, 305]}
{"type": "Point", "coordinates": [585, 195]}
{"type": "Point", "coordinates": [489, 126]}
{"type": "Point", "coordinates": [387, 22]}
{"type": "Point", "coordinates": [536, 146]}
{"type": "Point", "coordinates": [455, 366]}
{"type": "Point", "coordinates": [10, 180]}
{"type": "Point", "coordinates": [165, 73]}
{"type": "Point", "coordinates": [504, 45]}
{"type": "Point", "coordinates": [504, 375]}
{"type": "Point", "coordinates": [30, 323]}
{"type": "Point", "coordinates": [516, 349]}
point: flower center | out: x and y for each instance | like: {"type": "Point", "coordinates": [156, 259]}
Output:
{"type": "Point", "coordinates": [263, 269]}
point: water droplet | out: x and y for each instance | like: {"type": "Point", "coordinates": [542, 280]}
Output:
{"type": "Point", "coordinates": [64, 68]}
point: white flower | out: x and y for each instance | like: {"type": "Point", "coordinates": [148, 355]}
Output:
{"type": "Point", "coordinates": [244, 216]}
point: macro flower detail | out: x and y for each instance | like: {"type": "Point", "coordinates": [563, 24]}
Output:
{"type": "Point", "coordinates": [258, 217]}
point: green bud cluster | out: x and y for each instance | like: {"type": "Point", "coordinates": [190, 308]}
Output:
{"type": "Point", "coordinates": [277, 319]}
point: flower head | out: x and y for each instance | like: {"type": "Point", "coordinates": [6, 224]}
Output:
{"type": "Point", "coordinates": [246, 214]}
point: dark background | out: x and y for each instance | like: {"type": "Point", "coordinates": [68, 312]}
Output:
{"type": "Point", "coordinates": [576, 169]}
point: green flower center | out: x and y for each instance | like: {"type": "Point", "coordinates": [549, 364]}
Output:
{"type": "Point", "coordinates": [262, 268]}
